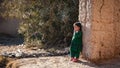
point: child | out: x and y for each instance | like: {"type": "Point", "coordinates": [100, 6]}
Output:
{"type": "Point", "coordinates": [76, 43]}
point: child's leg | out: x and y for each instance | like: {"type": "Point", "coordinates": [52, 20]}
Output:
{"type": "Point", "coordinates": [72, 53]}
{"type": "Point", "coordinates": [77, 54]}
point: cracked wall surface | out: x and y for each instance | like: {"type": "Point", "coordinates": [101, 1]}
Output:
{"type": "Point", "coordinates": [101, 31]}
{"type": "Point", "coordinates": [103, 36]}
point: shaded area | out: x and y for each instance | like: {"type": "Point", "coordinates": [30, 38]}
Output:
{"type": "Point", "coordinates": [10, 40]}
{"type": "Point", "coordinates": [3, 62]}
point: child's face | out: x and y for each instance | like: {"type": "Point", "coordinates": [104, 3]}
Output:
{"type": "Point", "coordinates": [76, 28]}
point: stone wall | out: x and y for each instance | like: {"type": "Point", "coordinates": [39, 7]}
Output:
{"type": "Point", "coordinates": [101, 31]}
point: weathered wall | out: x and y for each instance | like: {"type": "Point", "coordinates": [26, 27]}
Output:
{"type": "Point", "coordinates": [117, 26]}
{"type": "Point", "coordinates": [9, 26]}
{"type": "Point", "coordinates": [103, 32]}
{"type": "Point", "coordinates": [100, 28]}
{"type": "Point", "coordinates": [85, 19]}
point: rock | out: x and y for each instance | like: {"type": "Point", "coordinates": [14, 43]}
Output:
{"type": "Point", "coordinates": [2, 58]}
{"type": "Point", "coordinates": [3, 61]}
{"type": "Point", "coordinates": [13, 54]}
{"type": "Point", "coordinates": [19, 53]}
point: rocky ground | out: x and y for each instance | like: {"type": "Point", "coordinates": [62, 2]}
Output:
{"type": "Point", "coordinates": [13, 47]}
{"type": "Point", "coordinates": [18, 56]}
{"type": "Point", "coordinates": [57, 62]}
{"type": "Point", "coordinates": [39, 58]}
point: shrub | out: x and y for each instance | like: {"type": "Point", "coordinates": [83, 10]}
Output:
{"type": "Point", "coordinates": [46, 22]}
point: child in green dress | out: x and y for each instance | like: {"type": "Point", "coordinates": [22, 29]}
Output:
{"type": "Point", "coordinates": [76, 43]}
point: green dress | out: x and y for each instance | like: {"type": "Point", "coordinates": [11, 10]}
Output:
{"type": "Point", "coordinates": [76, 44]}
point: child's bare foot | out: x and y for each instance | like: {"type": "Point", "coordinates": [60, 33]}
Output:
{"type": "Point", "coordinates": [75, 60]}
{"type": "Point", "coordinates": [71, 59]}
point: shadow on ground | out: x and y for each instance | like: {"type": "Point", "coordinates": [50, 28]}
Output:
{"type": "Point", "coordinates": [10, 40]}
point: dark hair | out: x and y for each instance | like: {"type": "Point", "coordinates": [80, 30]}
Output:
{"type": "Point", "coordinates": [79, 25]}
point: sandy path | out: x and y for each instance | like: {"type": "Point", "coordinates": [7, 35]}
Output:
{"type": "Point", "coordinates": [50, 62]}
{"type": "Point", "coordinates": [57, 62]}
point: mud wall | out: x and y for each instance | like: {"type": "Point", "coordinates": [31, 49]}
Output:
{"type": "Point", "coordinates": [117, 26]}
{"type": "Point", "coordinates": [101, 31]}
{"type": "Point", "coordinates": [85, 19]}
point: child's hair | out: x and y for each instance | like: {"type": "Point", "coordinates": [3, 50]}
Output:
{"type": "Point", "coordinates": [79, 25]}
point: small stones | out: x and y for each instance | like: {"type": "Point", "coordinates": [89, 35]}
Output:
{"type": "Point", "coordinates": [13, 54]}
{"type": "Point", "coordinates": [21, 53]}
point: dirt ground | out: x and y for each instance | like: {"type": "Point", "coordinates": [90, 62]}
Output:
{"type": "Point", "coordinates": [39, 58]}
{"type": "Point", "coordinates": [58, 62]}
{"type": "Point", "coordinates": [51, 61]}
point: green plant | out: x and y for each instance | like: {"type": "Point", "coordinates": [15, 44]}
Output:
{"type": "Point", "coordinates": [46, 22]}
